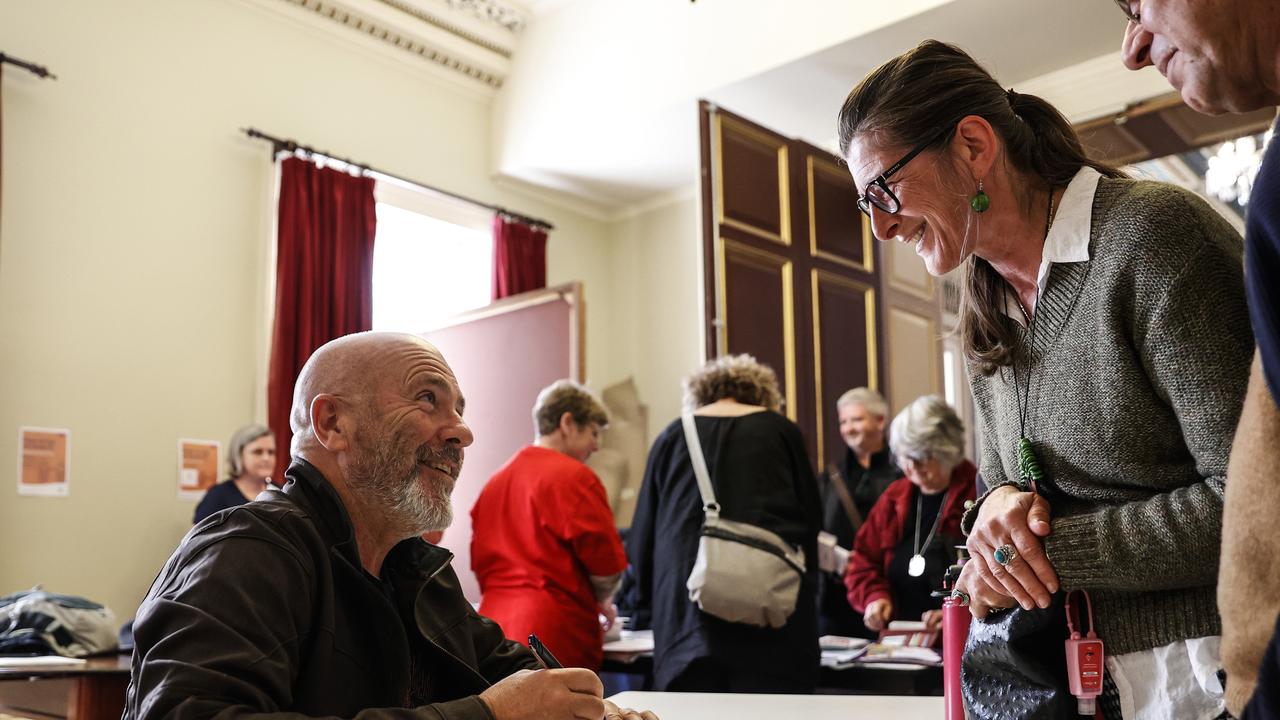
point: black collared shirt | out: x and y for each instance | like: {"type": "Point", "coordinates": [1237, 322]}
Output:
{"type": "Point", "coordinates": [835, 616]}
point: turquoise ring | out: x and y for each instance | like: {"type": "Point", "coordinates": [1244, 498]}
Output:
{"type": "Point", "coordinates": [1005, 554]}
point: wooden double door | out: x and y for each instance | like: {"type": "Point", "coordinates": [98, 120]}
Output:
{"type": "Point", "coordinates": [793, 277]}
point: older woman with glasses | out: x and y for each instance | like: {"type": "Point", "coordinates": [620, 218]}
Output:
{"type": "Point", "coordinates": [908, 540]}
{"type": "Point", "coordinates": [1108, 345]}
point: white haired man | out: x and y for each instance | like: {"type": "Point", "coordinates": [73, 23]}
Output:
{"type": "Point", "coordinates": [322, 600]}
{"type": "Point", "coordinates": [850, 487]}
{"type": "Point", "coordinates": [1224, 56]}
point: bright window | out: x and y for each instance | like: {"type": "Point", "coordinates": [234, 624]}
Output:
{"type": "Point", "coordinates": [429, 263]}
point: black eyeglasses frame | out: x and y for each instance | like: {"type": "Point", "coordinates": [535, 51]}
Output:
{"type": "Point", "coordinates": [865, 201]}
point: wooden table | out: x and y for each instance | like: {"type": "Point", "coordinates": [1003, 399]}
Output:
{"type": "Point", "coordinates": [92, 691]}
{"type": "Point", "coordinates": [698, 706]}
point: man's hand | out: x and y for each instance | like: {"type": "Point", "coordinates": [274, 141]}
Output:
{"type": "Point", "coordinates": [983, 599]}
{"type": "Point", "coordinates": [878, 614]}
{"type": "Point", "coordinates": [1019, 519]}
{"type": "Point", "coordinates": [613, 712]}
{"type": "Point", "coordinates": [568, 694]}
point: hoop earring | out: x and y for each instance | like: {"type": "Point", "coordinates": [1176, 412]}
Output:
{"type": "Point", "coordinates": [980, 202]}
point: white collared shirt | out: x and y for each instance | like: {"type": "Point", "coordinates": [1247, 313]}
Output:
{"type": "Point", "coordinates": [1068, 238]}
{"type": "Point", "coordinates": [1152, 684]}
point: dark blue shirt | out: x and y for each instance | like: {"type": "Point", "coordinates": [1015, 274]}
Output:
{"type": "Point", "coordinates": [220, 497]}
{"type": "Point", "coordinates": [1262, 264]}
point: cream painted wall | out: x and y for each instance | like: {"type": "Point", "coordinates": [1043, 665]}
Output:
{"type": "Point", "coordinates": [657, 303]}
{"type": "Point", "coordinates": [134, 240]}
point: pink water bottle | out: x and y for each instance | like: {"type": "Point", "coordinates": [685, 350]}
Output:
{"type": "Point", "coordinates": [955, 631]}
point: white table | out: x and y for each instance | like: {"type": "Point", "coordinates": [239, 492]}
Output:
{"type": "Point", "coordinates": [698, 706]}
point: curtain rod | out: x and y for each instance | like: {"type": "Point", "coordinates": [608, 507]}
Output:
{"type": "Point", "coordinates": [279, 144]}
{"type": "Point", "coordinates": [39, 70]}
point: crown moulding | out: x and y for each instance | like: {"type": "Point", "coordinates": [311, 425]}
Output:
{"type": "Point", "coordinates": [451, 40]}
{"type": "Point", "coordinates": [500, 14]}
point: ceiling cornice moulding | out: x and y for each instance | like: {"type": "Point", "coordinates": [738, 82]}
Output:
{"type": "Point", "coordinates": [502, 14]}
{"type": "Point", "coordinates": [454, 26]}
{"type": "Point", "coordinates": [407, 29]}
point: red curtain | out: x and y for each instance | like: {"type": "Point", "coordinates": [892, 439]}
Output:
{"type": "Point", "coordinates": [324, 276]}
{"type": "Point", "coordinates": [519, 257]}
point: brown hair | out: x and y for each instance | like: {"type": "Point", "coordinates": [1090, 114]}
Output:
{"type": "Point", "coordinates": [923, 94]}
{"type": "Point", "coordinates": [740, 377]}
{"type": "Point", "coordinates": [566, 396]}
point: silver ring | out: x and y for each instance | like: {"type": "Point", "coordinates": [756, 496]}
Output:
{"type": "Point", "coordinates": [1005, 555]}
{"type": "Point", "coordinates": [961, 596]}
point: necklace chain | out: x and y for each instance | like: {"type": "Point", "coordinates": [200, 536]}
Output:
{"type": "Point", "coordinates": [1029, 334]}
{"type": "Point", "coordinates": [936, 519]}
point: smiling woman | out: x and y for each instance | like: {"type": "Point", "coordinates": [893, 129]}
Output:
{"type": "Point", "coordinates": [251, 457]}
{"type": "Point", "coordinates": [1089, 298]}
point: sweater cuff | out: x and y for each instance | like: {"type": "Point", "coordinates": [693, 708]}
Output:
{"type": "Point", "coordinates": [1075, 551]}
{"type": "Point", "coordinates": [971, 513]}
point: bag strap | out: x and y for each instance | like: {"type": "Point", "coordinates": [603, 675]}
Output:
{"type": "Point", "coordinates": [710, 507]}
{"type": "Point", "coordinates": [836, 478]}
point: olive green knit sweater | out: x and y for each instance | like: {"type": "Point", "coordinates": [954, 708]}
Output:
{"type": "Point", "coordinates": [1140, 363]}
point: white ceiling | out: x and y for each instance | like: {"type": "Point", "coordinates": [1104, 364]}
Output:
{"type": "Point", "coordinates": [598, 98]}
{"type": "Point", "coordinates": [601, 100]}
{"type": "Point", "coordinates": [1016, 40]}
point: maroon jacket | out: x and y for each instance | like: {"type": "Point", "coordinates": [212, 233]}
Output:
{"type": "Point", "coordinates": [867, 575]}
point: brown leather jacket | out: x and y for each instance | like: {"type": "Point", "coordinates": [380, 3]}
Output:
{"type": "Point", "coordinates": [264, 609]}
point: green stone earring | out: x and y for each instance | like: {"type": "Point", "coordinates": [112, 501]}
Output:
{"type": "Point", "coordinates": [980, 202]}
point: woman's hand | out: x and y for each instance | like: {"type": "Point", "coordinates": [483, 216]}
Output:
{"type": "Point", "coordinates": [982, 598]}
{"type": "Point", "coordinates": [1017, 519]}
{"type": "Point", "coordinates": [608, 615]}
{"type": "Point", "coordinates": [878, 614]}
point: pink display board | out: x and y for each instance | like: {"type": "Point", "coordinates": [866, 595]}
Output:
{"type": "Point", "coordinates": [503, 355]}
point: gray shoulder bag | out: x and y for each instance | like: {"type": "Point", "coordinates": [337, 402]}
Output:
{"type": "Point", "coordinates": [743, 573]}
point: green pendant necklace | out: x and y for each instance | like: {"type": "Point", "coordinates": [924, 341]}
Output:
{"type": "Point", "coordinates": [1029, 470]}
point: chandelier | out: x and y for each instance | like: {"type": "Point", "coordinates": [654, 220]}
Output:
{"type": "Point", "coordinates": [1233, 165]}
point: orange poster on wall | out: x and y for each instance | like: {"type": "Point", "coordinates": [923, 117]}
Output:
{"type": "Point", "coordinates": [197, 467]}
{"type": "Point", "coordinates": [44, 465]}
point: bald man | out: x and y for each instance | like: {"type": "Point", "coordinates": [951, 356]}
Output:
{"type": "Point", "coordinates": [323, 600]}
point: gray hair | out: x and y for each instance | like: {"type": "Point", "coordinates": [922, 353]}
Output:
{"type": "Point", "coordinates": [865, 398]}
{"type": "Point", "coordinates": [243, 437]}
{"type": "Point", "coordinates": [928, 428]}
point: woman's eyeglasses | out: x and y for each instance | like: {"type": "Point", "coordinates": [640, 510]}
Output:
{"type": "Point", "coordinates": [878, 192]}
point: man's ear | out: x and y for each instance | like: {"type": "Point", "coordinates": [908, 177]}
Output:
{"type": "Point", "coordinates": [329, 423]}
{"type": "Point", "coordinates": [975, 146]}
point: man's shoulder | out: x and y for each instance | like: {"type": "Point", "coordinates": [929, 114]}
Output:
{"type": "Point", "coordinates": [276, 522]}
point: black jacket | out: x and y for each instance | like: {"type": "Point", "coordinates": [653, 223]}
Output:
{"type": "Point", "coordinates": [761, 476]}
{"type": "Point", "coordinates": [865, 485]}
{"type": "Point", "coordinates": [265, 609]}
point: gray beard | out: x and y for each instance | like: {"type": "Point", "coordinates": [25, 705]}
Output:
{"type": "Point", "coordinates": [389, 481]}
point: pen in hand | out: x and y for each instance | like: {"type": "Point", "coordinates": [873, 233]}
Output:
{"type": "Point", "coordinates": [541, 652]}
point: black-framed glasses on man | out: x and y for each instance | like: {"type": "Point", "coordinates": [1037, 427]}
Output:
{"type": "Point", "coordinates": [878, 192]}
{"type": "Point", "coordinates": [1131, 9]}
